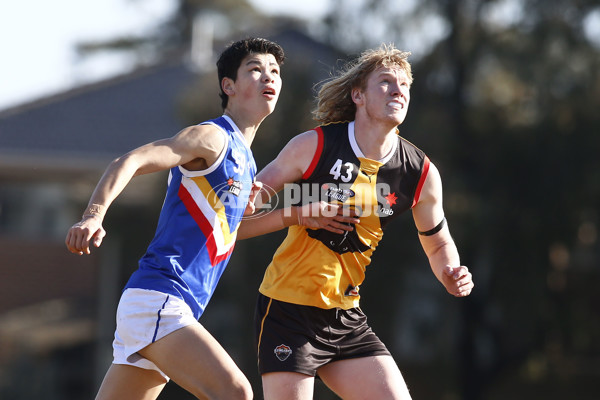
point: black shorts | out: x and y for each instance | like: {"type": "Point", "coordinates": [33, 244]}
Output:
{"type": "Point", "coordinates": [296, 338]}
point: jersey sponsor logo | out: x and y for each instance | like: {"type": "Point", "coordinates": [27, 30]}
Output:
{"type": "Point", "coordinates": [386, 211]}
{"type": "Point", "coordinates": [235, 187]}
{"type": "Point", "coordinates": [230, 194]}
{"type": "Point", "coordinates": [337, 193]}
{"type": "Point", "coordinates": [352, 291]}
{"type": "Point", "coordinates": [282, 352]}
{"type": "Point", "coordinates": [391, 200]}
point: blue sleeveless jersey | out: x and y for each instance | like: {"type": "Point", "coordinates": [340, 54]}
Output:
{"type": "Point", "coordinates": [198, 224]}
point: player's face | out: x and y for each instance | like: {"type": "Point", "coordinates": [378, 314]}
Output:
{"type": "Point", "coordinates": [387, 94]}
{"type": "Point", "coordinates": [258, 83]}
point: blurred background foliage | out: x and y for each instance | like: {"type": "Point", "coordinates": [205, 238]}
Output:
{"type": "Point", "coordinates": [506, 103]}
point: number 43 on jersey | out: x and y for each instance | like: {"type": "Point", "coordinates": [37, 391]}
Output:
{"type": "Point", "coordinates": [336, 171]}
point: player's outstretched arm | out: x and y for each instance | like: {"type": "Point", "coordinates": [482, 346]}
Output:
{"type": "Point", "coordinates": [289, 166]}
{"type": "Point", "coordinates": [318, 215]}
{"type": "Point", "coordinates": [436, 240]}
{"type": "Point", "coordinates": [195, 147]}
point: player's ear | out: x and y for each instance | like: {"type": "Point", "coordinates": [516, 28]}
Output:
{"type": "Point", "coordinates": [227, 85]}
{"type": "Point", "coordinates": [357, 96]}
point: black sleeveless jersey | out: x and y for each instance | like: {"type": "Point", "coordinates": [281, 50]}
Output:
{"type": "Point", "coordinates": [324, 269]}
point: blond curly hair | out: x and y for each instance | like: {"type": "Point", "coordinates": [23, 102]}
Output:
{"type": "Point", "coordinates": [334, 99]}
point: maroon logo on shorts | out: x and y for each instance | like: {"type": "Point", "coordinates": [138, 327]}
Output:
{"type": "Point", "coordinates": [282, 352]}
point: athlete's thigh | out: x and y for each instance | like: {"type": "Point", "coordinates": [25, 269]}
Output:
{"type": "Point", "coordinates": [375, 377]}
{"type": "Point", "coordinates": [194, 359]}
{"type": "Point", "coordinates": [288, 386]}
{"type": "Point", "coordinates": [127, 382]}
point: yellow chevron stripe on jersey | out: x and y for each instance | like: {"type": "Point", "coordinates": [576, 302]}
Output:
{"type": "Point", "coordinates": [369, 230]}
{"type": "Point", "coordinates": [214, 211]}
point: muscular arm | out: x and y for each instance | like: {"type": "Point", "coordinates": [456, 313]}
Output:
{"type": "Point", "coordinates": [439, 247]}
{"type": "Point", "coordinates": [289, 166]}
{"type": "Point", "coordinates": [195, 147]}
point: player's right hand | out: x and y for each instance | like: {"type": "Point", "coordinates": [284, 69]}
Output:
{"type": "Point", "coordinates": [89, 229]}
{"type": "Point", "coordinates": [458, 281]}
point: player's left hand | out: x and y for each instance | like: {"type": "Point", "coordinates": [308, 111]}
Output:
{"type": "Point", "coordinates": [458, 281]}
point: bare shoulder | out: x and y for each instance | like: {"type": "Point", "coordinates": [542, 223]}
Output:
{"type": "Point", "coordinates": [302, 145]}
{"type": "Point", "coordinates": [291, 163]}
{"type": "Point", "coordinates": [202, 137]}
{"type": "Point", "coordinates": [301, 149]}
{"type": "Point", "coordinates": [307, 137]}
{"type": "Point", "coordinates": [201, 145]}
{"type": "Point", "coordinates": [432, 189]}
{"type": "Point", "coordinates": [433, 180]}
{"type": "Point", "coordinates": [429, 209]}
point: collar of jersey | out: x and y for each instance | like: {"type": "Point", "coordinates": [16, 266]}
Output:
{"type": "Point", "coordinates": [236, 130]}
{"type": "Point", "coordinates": [358, 152]}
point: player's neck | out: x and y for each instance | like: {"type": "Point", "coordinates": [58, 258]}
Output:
{"type": "Point", "coordinates": [375, 140]}
{"type": "Point", "coordinates": [247, 126]}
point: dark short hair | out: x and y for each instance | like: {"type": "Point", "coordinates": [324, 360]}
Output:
{"type": "Point", "coordinates": [231, 58]}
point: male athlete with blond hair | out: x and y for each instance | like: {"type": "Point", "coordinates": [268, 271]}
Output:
{"type": "Point", "coordinates": [308, 319]}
